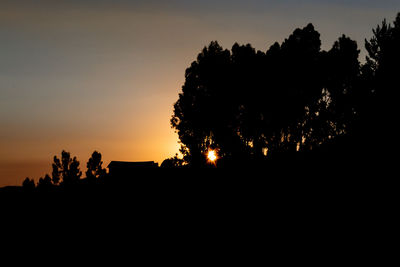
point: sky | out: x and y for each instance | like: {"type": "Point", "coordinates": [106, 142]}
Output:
{"type": "Point", "coordinates": [85, 75]}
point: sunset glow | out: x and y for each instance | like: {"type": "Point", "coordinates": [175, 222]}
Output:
{"type": "Point", "coordinates": [104, 75]}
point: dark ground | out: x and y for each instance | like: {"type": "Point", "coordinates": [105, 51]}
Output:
{"type": "Point", "coordinates": [281, 190]}
{"type": "Point", "coordinates": [214, 216]}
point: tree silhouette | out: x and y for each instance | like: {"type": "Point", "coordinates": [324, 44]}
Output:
{"type": "Point", "coordinates": [174, 162]}
{"type": "Point", "coordinates": [66, 170]}
{"type": "Point", "coordinates": [381, 75]}
{"type": "Point", "coordinates": [335, 112]}
{"type": "Point", "coordinates": [94, 167]}
{"type": "Point", "coordinates": [343, 73]}
{"type": "Point", "coordinates": [247, 73]}
{"type": "Point", "coordinates": [249, 104]}
{"type": "Point", "coordinates": [293, 87]}
{"type": "Point", "coordinates": [28, 184]}
{"type": "Point", "coordinates": [45, 184]}
{"type": "Point", "coordinates": [55, 175]}
{"type": "Point", "coordinates": [201, 106]}
{"type": "Point", "coordinates": [383, 55]}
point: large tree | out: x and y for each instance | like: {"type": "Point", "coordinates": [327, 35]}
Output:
{"type": "Point", "coordinates": [381, 76]}
{"type": "Point", "coordinates": [294, 84]}
{"type": "Point", "coordinates": [200, 114]}
{"type": "Point", "coordinates": [334, 113]}
{"type": "Point", "coordinates": [245, 102]}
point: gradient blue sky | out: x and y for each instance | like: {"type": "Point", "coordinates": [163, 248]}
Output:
{"type": "Point", "coordinates": [103, 75]}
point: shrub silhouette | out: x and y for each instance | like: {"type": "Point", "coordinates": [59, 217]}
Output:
{"type": "Point", "coordinates": [174, 162]}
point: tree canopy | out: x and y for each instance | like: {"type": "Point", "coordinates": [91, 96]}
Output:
{"type": "Point", "coordinates": [94, 167]}
{"type": "Point", "coordinates": [66, 169]}
{"type": "Point", "coordinates": [66, 173]}
{"type": "Point", "coordinates": [381, 77]}
{"type": "Point", "coordinates": [251, 104]}
{"type": "Point", "coordinates": [254, 105]}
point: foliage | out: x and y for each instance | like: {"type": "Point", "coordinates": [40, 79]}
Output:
{"type": "Point", "coordinates": [28, 184]}
{"type": "Point", "coordinates": [380, 77]}
{"type": "Point", "coordinates": [251, 104]}
{"type": "Point", "coordinates": [66, 169]}
{"type": "Point", "coordinates": [174, 162]}
{"type": "Point", "coordinates": [94, 167]}
{"type": "Point", "coordinates": [45, 184]}
{"type": "Point", "coordinates": [66, 172]}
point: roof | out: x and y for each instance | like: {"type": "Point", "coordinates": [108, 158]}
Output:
{"type": "Point", "coordinates": [130, 165]}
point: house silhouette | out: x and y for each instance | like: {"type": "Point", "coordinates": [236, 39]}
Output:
{"type": "Point", "coordinates": [124, 168]}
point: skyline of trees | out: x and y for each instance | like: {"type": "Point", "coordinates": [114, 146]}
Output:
{"type": "Point", "coordinates": [253, 105]}
{"type": "Point", "coordinates": [294, 97]}
{"type": "Point", "coordinates": [66, 172]}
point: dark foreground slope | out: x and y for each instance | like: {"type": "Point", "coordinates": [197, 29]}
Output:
{"type": "Point", "coordinates": [259, 190]}
{"type": "Point", "coordinates": [201, 215]}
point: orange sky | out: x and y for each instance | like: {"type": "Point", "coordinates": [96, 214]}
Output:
{"type": "Point", "coordinates": [104, 75]}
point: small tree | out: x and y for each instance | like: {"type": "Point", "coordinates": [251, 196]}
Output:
{"type": "Point", "coordinates": [66, 169]}
{"type": "Point", "coordinates": [94, 167]}
{"type": "Point", "coordinates": [45, 183]}
{"type": "Point", "coordinates": [28, 184]}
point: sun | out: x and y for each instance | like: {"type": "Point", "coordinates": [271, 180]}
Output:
{"type": "Point", "coordinates": [212, 156]}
